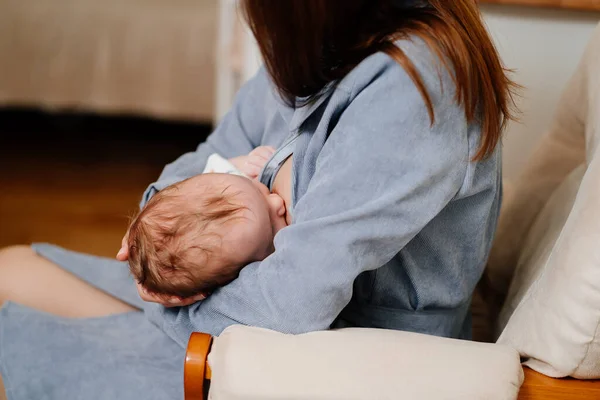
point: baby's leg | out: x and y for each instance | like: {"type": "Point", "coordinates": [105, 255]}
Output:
{"type": "Point", "coordinates": [33, 281]}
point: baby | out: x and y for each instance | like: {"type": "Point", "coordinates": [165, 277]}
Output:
{"type": "Point", "coordinates": [196, 235]}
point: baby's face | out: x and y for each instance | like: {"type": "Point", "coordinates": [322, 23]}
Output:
{"type": "Point", "coordinates": [250, 237]}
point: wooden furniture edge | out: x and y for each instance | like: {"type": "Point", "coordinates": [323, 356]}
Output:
{"type": "Point", "coordinates": [541, 387]}
{"type": "Point", "coordinates": [196, 371]}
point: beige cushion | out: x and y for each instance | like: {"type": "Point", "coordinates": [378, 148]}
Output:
{"type": "Point", "coordinates": [572, 138]}
{"type": "Point", "coordinates": [552, 312]}
{"type": "Point", "coordinates": [359, 364]}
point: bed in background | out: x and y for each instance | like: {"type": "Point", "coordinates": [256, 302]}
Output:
{"type": "Point", "coordinates": [144, 57]}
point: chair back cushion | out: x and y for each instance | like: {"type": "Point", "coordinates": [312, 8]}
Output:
{"type": "Point", "coordinates": [552, 312]}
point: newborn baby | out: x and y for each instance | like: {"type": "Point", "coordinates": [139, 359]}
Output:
{"type": "Point", "coordinates": [196, 235]}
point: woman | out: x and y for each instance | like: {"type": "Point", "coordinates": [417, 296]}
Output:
{"type": "Point", "coordinates": [395, 110]}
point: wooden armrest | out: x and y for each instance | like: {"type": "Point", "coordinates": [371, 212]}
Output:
{"type": "Point", "coordinates": [196, 371]}
{"type": "Point", "coordinates": [197, 375]}
{"type": "Point", "coordinates": [541, 387]}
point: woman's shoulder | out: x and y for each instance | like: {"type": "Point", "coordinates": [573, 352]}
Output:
{"type": "Point", "coordinates": [381, 69]}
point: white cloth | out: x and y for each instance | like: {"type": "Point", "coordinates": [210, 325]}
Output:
{"type": "Point", "coordinates": [219, 165]}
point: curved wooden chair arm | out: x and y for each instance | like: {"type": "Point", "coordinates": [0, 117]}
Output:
{"type": "Point", "coordinates": [196, 371]}
{"type": "Point", "coordinates": [541, 387]}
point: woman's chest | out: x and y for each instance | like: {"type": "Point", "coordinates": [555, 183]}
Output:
{"type": "Point", "coordinates": [308, 129]}
{"type": "Point", "coordinates": [282, 185]}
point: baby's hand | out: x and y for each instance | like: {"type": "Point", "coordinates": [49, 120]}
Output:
{"type": "Point", "coordinates": [253, 163]}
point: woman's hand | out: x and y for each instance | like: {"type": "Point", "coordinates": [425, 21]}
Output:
{"type": "Point", "coordinates": [167, 301]}
{"type": "Point", "coordinates": [253, 163]}
{"type": "Point", "coordinates": [123, 254]}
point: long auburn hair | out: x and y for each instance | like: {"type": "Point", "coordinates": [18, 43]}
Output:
{"type": "Point", "coordinates": [307, 44]}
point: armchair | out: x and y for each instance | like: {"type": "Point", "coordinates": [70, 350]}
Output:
{"type": "Point", "coordinates": [545, 259]}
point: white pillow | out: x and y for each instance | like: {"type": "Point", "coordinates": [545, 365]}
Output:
{"type": "Point", "coordinates": [552, 312]}
{"type": "Point", "coordinates": [359, 364]}
{"type": "Point", "coordinates": [572, 138]}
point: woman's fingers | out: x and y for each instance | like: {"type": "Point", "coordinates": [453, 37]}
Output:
{"type": "Point", "coordinates": [167, 301]}
{"type": "Point", "coordinates": [144, 294]}
{"type": "Point", "coordinates": [151, 297]}
{"type": "Point", "coordinates": [123, 254]}
{"type": "Point", "coordinates": [178, 302]}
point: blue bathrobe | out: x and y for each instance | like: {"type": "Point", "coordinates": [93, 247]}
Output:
{"type": "Point", "coordinates": [393, 223]}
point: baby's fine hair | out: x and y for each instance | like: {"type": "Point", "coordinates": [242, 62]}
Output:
{"type": "Point", "coordinates": [172, 238]}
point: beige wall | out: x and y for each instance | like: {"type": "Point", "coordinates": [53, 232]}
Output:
{"type": "Point", "coordinates": [544, 46]}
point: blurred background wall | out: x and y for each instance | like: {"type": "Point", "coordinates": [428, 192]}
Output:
{"type": "Point", "coordinates": [543, 46]}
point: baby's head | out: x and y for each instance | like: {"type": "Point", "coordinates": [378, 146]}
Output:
{"type": "Point", "coordinates": [196, 235]}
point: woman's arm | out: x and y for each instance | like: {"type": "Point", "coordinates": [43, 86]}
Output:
{"type": "Point", "coordinates": [238, 134]}
{"type": "Point", "coordinates": [384, 174]}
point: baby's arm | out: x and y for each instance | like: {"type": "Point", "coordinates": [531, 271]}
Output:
{"type": "Point", "coordinates": [251, 164]}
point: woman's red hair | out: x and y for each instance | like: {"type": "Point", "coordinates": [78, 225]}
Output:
{"type": "Point", "coordinates": [307, 44]}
